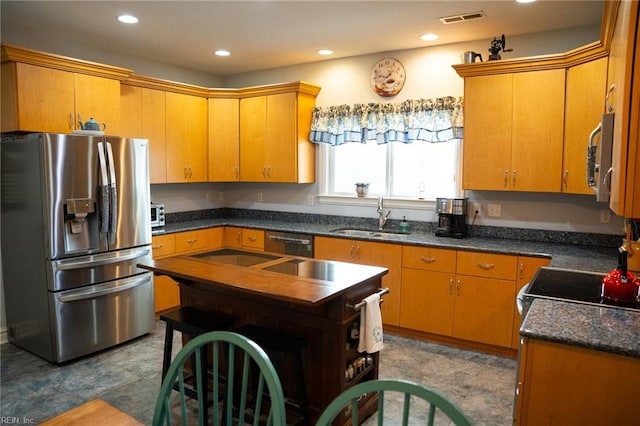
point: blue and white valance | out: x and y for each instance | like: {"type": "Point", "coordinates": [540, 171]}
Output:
{"type": "Point", "coordinates": [429, 120]}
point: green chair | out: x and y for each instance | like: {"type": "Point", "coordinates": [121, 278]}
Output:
{"type": "Point", "coordinates": [234, 358]}
{"type": "Point", "coordinates": [353, 396]}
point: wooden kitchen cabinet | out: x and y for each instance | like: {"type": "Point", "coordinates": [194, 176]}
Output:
{"type": "Point", "coordinates": [485, 291]}
{"type": "Point", "coordinates": [584, 105]}
{"type": "Point", "coordinates": [274, 136]}
{"type": "Point", "coordinates": [224, 139]}
{"type": "Point", "coordinates": [561, 385]}
{"type": "Point", "coordinates": [186, 133]}
{"type": "Point", "coordinates": [623, 71]}
{"type": "Point", "coordinates": [245, 238]}
{"type": "Point", "coordinates": [143, 115]}
{"type": "Point", "coordinates": [47, 99]}
{"type": "Point", "coordinates": [513, 125]}
{"type": "Point", "coordinates": [527, 268]}
{"type": "Point", "coordinates": [427, 299]}
{"type": "Point", "coordinates": [369, 253]}
{"type": "Point", "coordinates": [166, 291]}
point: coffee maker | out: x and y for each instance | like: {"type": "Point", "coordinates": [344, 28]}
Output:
{"type": "Point", "coordinates": [452, 217]}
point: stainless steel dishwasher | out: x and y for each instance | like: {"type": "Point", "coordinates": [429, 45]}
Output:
{"type": "Point", "coordinates": [289, 243]}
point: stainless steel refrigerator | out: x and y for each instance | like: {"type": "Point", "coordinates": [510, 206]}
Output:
{"type": "Point", "coordinates": [75, 224]}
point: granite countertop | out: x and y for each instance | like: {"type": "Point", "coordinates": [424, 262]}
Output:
{"type": "Point", "coordinates": [602, 328]}
{"type": "Point", "coordinates": [569, 256]}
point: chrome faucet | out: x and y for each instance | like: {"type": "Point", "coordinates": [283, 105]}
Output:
{"type": "Point", "coordinates": [382, 217]}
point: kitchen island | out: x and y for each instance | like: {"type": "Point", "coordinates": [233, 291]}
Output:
{"type": "Point", "coordinates": [318, 308]}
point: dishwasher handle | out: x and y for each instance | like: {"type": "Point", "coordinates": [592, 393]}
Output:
{"type": "Point", "coordinates": [301, 241]}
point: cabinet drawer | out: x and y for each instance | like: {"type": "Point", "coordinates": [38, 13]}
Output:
{"type": "Point", "coordinates": [487, 265]}
{"type": "Point", "coordinates": [163, 245]}
{"type": "Point", "coordinates": [192, 241]}
{"type": "Point", "coordinates": [253, 238]}
{"type": "Point", "coordinates": [429, 258]}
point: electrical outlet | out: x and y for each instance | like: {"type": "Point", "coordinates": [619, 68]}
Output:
{"type": "Point", "coordinates": [494, 210]}
{"type": "Point", "coordinates": [221, 196]}
{"type": "Point", "coordinates": [605, 216]}
{"type": "Point", "coordinates": [260, 197]}
{"type": "Point", "coordinates": [477, 209]}
{"type": "Point", "coordinates": [310, 200]}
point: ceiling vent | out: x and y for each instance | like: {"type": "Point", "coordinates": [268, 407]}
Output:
{"type": "Point", "coordinates": [453, 19]}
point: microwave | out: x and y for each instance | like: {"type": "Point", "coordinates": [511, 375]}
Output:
{"type": "Point", "coordinates": [157, 215]}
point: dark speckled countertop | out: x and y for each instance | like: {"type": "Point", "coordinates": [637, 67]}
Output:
{"type": "Point", "coordinates": [594, 258]}
{"type": "Point", "coordinates": [601, 328]}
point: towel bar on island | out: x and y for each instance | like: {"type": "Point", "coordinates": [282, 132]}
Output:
{"type": "Point", "coordinates": [359, 305]}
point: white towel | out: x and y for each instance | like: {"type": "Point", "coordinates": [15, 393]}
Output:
{"type": "Point", "coordinates": [370, 325]}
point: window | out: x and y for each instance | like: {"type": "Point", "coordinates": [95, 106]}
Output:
{"type": "Point", "coordinates": [405, 171]}
{"type": "Point", "coordinates": [408, 150]}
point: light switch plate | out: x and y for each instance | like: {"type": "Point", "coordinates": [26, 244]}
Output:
{"type": "Point", "coordinates": [494, 210]}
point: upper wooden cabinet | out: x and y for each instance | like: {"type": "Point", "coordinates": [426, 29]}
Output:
{"type": "Point", "coordinates": [43, 92]}
{"type": "Point", "coordinates": [224, 139]}
{"type": "Point", "coordinates": [584, 105]}
{"type": "Point", "coordinates": [47, 99]}
{"type": "Point", "coordinates": [624, 64]}
{"type": "Point", "coordinates": [513, 127]}
{"type": "Point", "coordinates": [186, 132]}
{"type": "Point", "coordinates": [274, 134]}
{"type": "Point", "coordinates": [144, 116]}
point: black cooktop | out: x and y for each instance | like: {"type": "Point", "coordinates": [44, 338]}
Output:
{"type": "Point", "coordinates": [319, 270]}
{"type": "Point", "coordinates": [567, 284]}
{"type": "Point", "coordinates": [237, 257]}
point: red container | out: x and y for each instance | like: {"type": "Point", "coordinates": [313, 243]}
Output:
{"type": "Point", "coordinates": [620, 286]}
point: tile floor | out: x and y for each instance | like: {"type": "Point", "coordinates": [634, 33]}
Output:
{"type": "Point", "coordinates": [128, 377]}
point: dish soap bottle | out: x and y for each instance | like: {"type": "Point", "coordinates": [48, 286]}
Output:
{"type": "Point", "coordinates": [404, 225]}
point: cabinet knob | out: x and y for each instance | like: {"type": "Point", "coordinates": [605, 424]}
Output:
{"type": "Point", "coordinates": [458, 287]}
{"type": "Point", "coordinates": [253, 239]}
{"type": "Point", "coordinates": [513, 178]}
{"type": "Point", "coordinates": [506, 178]}
{"type": "Point", "coordinates": [428, 259]}
{"type": "Point", "coordinates": [157, 247]}
{"type": "Point", "coordinates": [192, 241]}
{"type": "Point", "coordinates": [451, 286]}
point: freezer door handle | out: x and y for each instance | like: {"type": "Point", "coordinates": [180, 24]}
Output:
{"type": "Point", "coordinates": [100, 259]}
{"type": "Point", "coordinates": [104, 289]}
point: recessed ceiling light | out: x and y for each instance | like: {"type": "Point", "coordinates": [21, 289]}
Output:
{"type": "Point", "coordinates": [222, 53]}
{"type": "Point", "coordinates": [325, 52]}
{"type": "Point", "coordinates": [525, 1]}
{"type": "Point", "coordinates": [128, 19]}
{"type": "Point", "coordinates": [429, 37]}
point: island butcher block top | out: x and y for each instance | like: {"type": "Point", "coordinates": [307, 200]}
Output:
{"type": "Point", "coordinates": [297, 280]}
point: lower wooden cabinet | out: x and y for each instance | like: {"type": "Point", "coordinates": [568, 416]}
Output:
{"type": "Point", "coordinates": [567, 385]}
{"type": "Point", "coordinates": [247, 238]}
{"type": "Point", "coordinates": [167, 294]}
{"type": "Point", "coordinates": [369, 253]}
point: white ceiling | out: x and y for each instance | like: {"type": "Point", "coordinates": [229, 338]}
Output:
{"type": "Point", "coordinates": [270, 34]}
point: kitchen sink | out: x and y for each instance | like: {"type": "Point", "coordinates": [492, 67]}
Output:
{"type": "Point", "coordinates": [369, 233]}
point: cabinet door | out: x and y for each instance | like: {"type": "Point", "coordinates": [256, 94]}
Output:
{"type": "Point", "coordinates": [488, 111]}
{"type": "Point", "coordinates": [388, 256]}
{"type": "Point", "coordinates": [186, 136]}
{"type": "Point", "coordinates": [622, 54]}
{"type": "Point", "coordinates": [224, 140]}
{"type": "Point", "coordinates": [143, 116]}
{"type": "Point", "coordinates": [340, 249]}
{"type": "Point", "coordinates": [281, 141]}
{"type": "Point", "coordinates": [427, 301]}
{"type": "Point", "coordinates": [538, 127]}
{"type": "Point", "coordinates": [37, 99]}
{"type": "Point", "coordinates": [166, 290]}
{"type": "Point", "coordinates": [584, 105]}
{"type": "Point", "coordinates": [99, 98]}
{"type": "Point", "coordinates": [527, 268]}
{"type": "Point", "coordinates": [253, 124]}
{"type": "Point", "coordinates": [232, 237]}
{"type": "Point", "coordinates": [483, 310]}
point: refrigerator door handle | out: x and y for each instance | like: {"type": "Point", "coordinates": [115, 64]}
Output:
{"type": "Point", "coordinates": [104, 191]}
{"type": "Point", "coordinates": [100, 259]}
{"type": "Point", "coordinates": [113, 196]}
{"type": "Point", "coordinates": [103, 289]}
